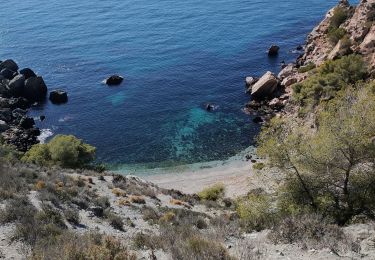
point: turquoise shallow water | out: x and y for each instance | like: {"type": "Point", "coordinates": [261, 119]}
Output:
{"type": "Point", "coordinates": [175, 56]}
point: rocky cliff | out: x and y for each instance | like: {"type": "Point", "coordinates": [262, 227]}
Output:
{"type": "Point", "coordinates": [358, 30]}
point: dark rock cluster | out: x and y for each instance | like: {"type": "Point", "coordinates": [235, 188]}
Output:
{"type": "Point", "coordinates": [19, 89]}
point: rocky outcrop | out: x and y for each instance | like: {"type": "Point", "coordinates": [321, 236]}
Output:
{"type": "Point", "coordinates": [359, 33]}
{"type": "Point", "coordinates": [265, 86]}
{"type": "Point", "coordinates": [18, 91]}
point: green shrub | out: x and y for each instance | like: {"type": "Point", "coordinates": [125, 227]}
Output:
{"type": "Point", "coordinates": [339, 17]}
{"type": "Point", "coordinates": [335, 33]}
{"type": "Point", "coordinates": [258, 166]}
{"type": "Point", "coordinates": [255, 212]}
{"type": "Point", "coordinates": [212, 193]}
{"type": "Point", "coordinates": [307, 67]}
{"type": "Point", "coordinates": [329, 78]}
{"type": "Point", "coordinates": [64, 150]}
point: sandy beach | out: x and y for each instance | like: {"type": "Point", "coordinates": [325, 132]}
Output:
{"type": "Point", "coordinates": [234, 173]}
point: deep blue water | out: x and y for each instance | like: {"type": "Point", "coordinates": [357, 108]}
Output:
{"type": "Point", "coordinates": [175, 56]}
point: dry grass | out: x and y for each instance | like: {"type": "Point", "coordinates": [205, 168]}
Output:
{"type": "Point", "coordinates": [179, 203]}
{"type": "Point", "coordinates": [137, 199]}
{"type": "Point", "coordinates": [118, 192]}
{"type": "Point", "coordinates": [310, 231]}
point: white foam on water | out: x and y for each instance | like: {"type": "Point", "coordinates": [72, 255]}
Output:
{"type": "Point", "coordinates": [44, 134]}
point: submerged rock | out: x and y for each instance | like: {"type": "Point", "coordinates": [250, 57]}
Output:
{"type": "Point", "coordinates": [58, 97]}
{"type": "Point", "coordinates": [114, 80]}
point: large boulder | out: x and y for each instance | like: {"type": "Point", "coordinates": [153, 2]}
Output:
{"type": "Point", "coordinates": [265, 86]}
{"type": "Point", "coordinates": [35, 89]}
{"type": "Point", "coordinates": [8, 74]}
{"type": "Point", "coordinates": [114, 80]}
{"type": "Point", "coordinates": [28, 73]}
{"type": "Point", "coordinates": [16, 86]}
{"type": "Point", "coordinates": [250, 81]}
{"type": "Point", "coordinates": [9, 64]}
{"type": "Point", "coordinates": [58, 97]}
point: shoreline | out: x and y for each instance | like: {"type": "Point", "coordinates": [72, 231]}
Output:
{"type": "Point", "coordinates": [234, 173]}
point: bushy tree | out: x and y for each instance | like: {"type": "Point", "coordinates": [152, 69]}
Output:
{"type": "Point", "coordinates": [330, 169]}
{"type": "Point", "coordinates": [64, 150]}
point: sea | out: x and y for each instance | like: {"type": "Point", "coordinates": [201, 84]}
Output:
{"type": "Point", "coordinates": [175, 56]}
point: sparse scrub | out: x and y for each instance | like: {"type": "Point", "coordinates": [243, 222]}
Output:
{"type": "Point", "coordinates": [88, 246]}
{"type": "Point", "coordinates": [255, 212]}
{"type": "Point", "coordinates": [116, 222]}
{"type": "Point", "coordinates": [310, 231]}
{"type": "Point", "coordinates": [72, 216]}
{"type": "Point", "coordinates": [213, 193]}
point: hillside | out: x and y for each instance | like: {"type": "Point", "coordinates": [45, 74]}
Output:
{"type": "Point", "coordinates": [311, 196]}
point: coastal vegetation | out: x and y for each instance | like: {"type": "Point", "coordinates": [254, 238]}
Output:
{"type": "Point", "coordinates": [64, 150]}
{"type": "Point", "coordinates": [335, 33]}
{"type": "Point", "coordinates": [330, 167]}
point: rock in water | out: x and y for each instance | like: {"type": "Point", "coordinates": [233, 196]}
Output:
{"type": "Point", "coordinates": [17, 86]}
{"type": "Point", "coordinates": [114, 80]}
{"type": "Point", "coordinates": [265, 86]}
{"type": "Point", "coordinates": [9, 64]}
{"type": "Point", "coordinates": [58, 97]}
{"type": "Point", "coordinates": [28, 73]}
{"type": "Point", "coordinates": [8, 74]}
{"type": "Point", "coordinates": [273, 50]}
{"type": "Point", "coordinates": [35, 89]}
